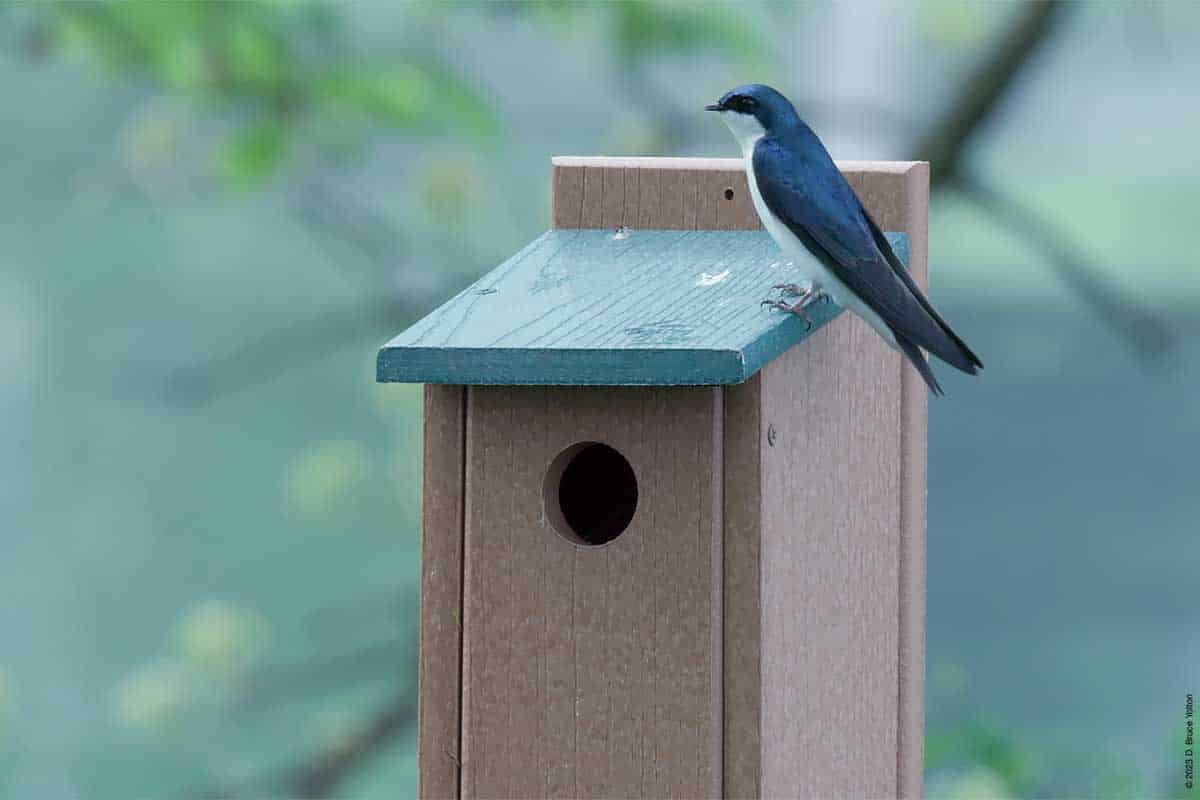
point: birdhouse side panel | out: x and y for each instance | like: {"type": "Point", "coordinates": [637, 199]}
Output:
{"type": "Point", "coordinates": [897, 195]}
{"type": "Point", "coordinates": [830, 554]}
{"type": "Point", "coordinates": [592, 671]}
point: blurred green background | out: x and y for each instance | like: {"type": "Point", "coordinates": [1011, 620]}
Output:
{"type": "Point", "coordinates": [213, 214]}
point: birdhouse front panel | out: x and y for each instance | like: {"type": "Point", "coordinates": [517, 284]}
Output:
{"type": "Point", "coordinates": [592, 593]}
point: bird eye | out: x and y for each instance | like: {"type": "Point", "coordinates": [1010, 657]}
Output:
{"type": "Point", "coordinates": [746, 103]}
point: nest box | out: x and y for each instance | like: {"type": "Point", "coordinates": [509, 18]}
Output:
{"type": "Point", "coordinates": [673, 541]}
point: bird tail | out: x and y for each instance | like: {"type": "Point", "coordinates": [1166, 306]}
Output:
{"type": "Point", "coordinates": [919, 361]}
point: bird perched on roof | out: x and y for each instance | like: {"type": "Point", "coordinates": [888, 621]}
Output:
{"type": "Point", "coordinates": [806, 204]}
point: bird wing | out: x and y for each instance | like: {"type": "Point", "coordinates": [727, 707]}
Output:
{"type": "Point", "coordinates": [817, 204]}
{"type": "Point", "coordinates": [885, 247]}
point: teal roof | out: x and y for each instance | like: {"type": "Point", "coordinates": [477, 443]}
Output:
{"type": "Point", "coordinates": [598, 307]}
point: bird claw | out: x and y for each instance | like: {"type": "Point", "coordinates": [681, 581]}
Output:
{"type": "Point", "coordinates": [794, 289]}
{"type": "Point", "coordinates": [797, 309]}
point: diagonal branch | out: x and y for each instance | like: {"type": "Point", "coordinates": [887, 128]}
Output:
{"type": "Point", "coordinates": [277, 351]}
{"type": "Point", "coordinates": [348, 219]}
{"type": "Point", "coordinates": [321, 775]}
{"type": "Point", "coordinates": [945, 147]}
{"type": "Point", "coordinates": [1150, 335]}
{"type": "Point", "coordinates": [280, 683]}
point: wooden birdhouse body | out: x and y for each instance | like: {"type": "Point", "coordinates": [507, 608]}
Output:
{"type": "Point", "coordinates": [673, 542]}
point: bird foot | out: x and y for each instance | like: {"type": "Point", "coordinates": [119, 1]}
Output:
{"type": "Point", "coordinates": [792, 308]}
{"type": "Point", "coordinates": [806, 295]}
{"type": "Point", "coordinates": [794, 289]}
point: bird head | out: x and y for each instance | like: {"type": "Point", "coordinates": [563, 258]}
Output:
{"type": "Point", "coordinates": [754, 110]}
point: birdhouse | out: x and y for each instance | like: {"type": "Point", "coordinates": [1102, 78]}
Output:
{"type": "Point", "coordinates": [673, 539]}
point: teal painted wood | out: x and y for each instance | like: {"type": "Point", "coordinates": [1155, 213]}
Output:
{"type": "Point", "coordinates": [596, 308]}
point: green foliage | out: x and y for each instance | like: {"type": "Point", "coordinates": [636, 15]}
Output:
{"type": "Point", "coordinates": [675, 28]}
{"type": "Point", "coordinates": [417, 96]}
{"type": "Point", "coordinates": [652, 28]}
{"type": "Point", "coordinates": [326, 475]}
{"type": "Point", "coordinates": [975, 759]}
{"type": "Point", "coordinates": [278, 67]}
{"type": "Point", "coordinates": [279, 72]}
{"type": "Point", "coordinates": [251, 154]}
{"type": "Point", "coordinates": [975, 743]}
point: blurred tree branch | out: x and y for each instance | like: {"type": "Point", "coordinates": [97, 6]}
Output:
{"type": "Point", "coordinates": [1146, 331]}
{"type": "Point", "coordinates": [281, 349]}
{"type": "Point", "coordinates": [281, 683]}
{"type": "Point", "coordinates": [320, 774]}
{"type": "Point", "coordinates": [945, 147]}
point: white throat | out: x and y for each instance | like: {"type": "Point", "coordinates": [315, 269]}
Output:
{"type": "Point", "coordinates": [745, 129]}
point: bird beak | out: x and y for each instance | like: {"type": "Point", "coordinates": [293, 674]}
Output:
{"type": "Point", "coordinates": [713, 107]}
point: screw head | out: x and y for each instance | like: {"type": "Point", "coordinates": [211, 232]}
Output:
{"type": "Point", "coordinates": [771, 435]}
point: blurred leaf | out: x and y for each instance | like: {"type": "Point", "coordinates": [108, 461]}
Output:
{"type": "Point", "coordinates": [219, 637]}
{"type": "Point", "coordinates": [257, 58]}
{"type": "Point", "coordinates": [449, 186]}
{"type": "Point", "coordinates": [416, 97]}
{"type": "Point", "coordinates": [959, 25]}
{"type": "Point", "coordinates": [972, 783]}
{"type": "Point", "coordinates": [326, 475]}
{"type": "Point", "coordinates": [394, 96]}
{"type": "Point", "coordinates": [158, 38]}
{"type": "Point", "coordinates": [660, 27]}
{"type": "Point", "coordinates": [654, 28]}
{"type": "Point", "coordinates": [976, 743]}
{"type": "Point", "coordinates": [250, 155]}
{"type": "Point", "coordinates": [155, 694]}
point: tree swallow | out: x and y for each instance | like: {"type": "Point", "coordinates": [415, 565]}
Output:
{"type": "Point", "coordinates": [806, 204]}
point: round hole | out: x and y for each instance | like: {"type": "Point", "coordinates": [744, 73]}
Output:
{"type": "Point", "coordinates": [729, 194]}
{"type": "Point", "coordinates": [590, 493]}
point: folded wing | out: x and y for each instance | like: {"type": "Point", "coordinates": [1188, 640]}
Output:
{"type": "Point", "coordinates": [818, 205]}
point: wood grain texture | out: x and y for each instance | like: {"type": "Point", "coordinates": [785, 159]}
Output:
{"type": "Point", "coordinates": [745, 437]}
{"type": "Point", "coordinates": [759, 630]}
{"type": "Point", "coordinates": [812, 571]}
{"type": "Point", "coordinates": [652, 194]}
{"type": "Point", "coordinates": [824, 551]}
{"type": "Point", "coordinates": [439, 672]}
{"type": "Point", "coordinates": [913, 509]}
{"type": "Point", "coordinates": [830, 567]}
{"type": "Point", "coordinates": [583, 307]}
{"type": "Point", "coordinates": [689, 193]}
{"type": "Point", "coordinates": [580, 307]}
{"type": "Point", "coordinates": [593, 671]}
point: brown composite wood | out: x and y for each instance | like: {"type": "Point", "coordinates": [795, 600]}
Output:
{"type": "Point", "coordinates": [759, 630]}
{"type": "Point", "coordinates": [912, 216]}
{"type": "Point", "coordinates": [690, 193]}
{"type": "Point", "coordinates": [745, 436]}
{"type": "Point", "coordinates": [662, 194]}
{"type": "Point", "coordinates": [439, 670]}
{"type": "Point", "coordinates": [825, 553]}
{"type": "Point", "coordinates": [593, 671]}
{"type": "Point", "coordinates": [830, 541]}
